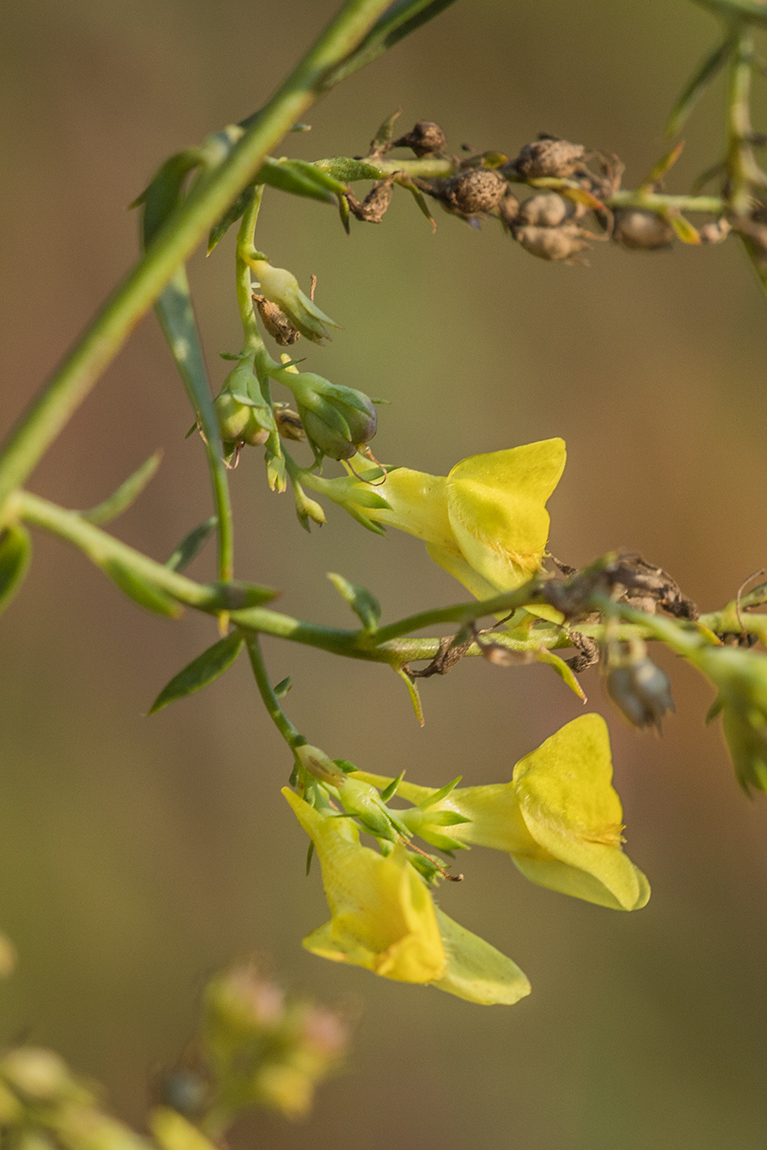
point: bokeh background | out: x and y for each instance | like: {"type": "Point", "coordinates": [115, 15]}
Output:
{"type": "Point", "coordinates": [137, 855]}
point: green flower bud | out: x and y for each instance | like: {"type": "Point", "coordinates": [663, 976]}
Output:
{"type": "Point", "coordinates": [337, 420]}
{"type": "Point", "coordinates": [317, 763]}
{"type": "Point", "coordinates": [280, 287]}
{"type": "Point", "coordinates": [243, 414]}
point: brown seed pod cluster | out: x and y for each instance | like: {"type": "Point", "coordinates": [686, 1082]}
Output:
{"type": "Point", "coordinates": [549, 156]}
{"type": "Point", "coordinates": [473, 191]}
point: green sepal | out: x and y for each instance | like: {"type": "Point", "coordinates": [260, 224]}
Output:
{"type": "Point", "coordinates": [390, 791]}
{"type": "Point", "coordinates": [362, 602]}
{"type": "Point", "coordinates": [235, 595]}
{"type": "Point", "coordinates": [371, 498]}
{"type": "Point", "coordinates": [683, 228]}
{"type": "Point", "coordinates": [281, 689]}
{"type": "Point", "coordinates": [406, 182]}
{"type": "Point", "coordinates": [345, 168]}
{"type": "Point", "coordinates": [203, 670]}
{"type": "Point", "coordinates": [661, 166]}
{"type": "Point", "coordinates": [441, 794]}
{"type": "Point", "coordinates": [343, 211]}
{"type": "Point", "coordinates": [345, 766]}
{"type": "Point", "coordinates": [15, 555]}
{"type": "Point", "coordinates": [696, 86]}
{"type": "Point", "coordinates": [140, 590]}
{"type": "Point", "coordinates": [560, 666]}
{"type": "Point", "coordinates": [128, 491]}
{"type": "Point", "coordinates": [191, 545]}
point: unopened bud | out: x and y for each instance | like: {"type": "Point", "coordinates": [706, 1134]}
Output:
{"type": "Point", "coordinates": [317, 763]}
{"type": "Point", "coordinates": [642, 692]}
{"type": "Point", "coordinates": [547, 210]}
{"type": "Point", "coordinates": [564, 243]}
{"type": "Point", "coordinates": [474, 191]}
{"type": "Point", "coordinates": [548, 157]}
{"type": "Point", "coordinates": [637, 228]}
{"type": "Point", "coordinates": [426, 139]}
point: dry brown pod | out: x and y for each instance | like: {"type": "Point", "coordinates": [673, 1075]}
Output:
{"type": "Point", "coordinates": [715, 231]}
{"type": "Point", "coordinates": [565, 243]}
{"type": "Point", "coordinates": [276, 322]}
{"type": "Point", "coordinates": [547, 210]}
{"type": "Point", "coordinates": [637, 228]}
{"type": "Point", "coordinates": [425, 138]}
{"type": "Point", "coordinates": [474, 191]}
{"type": "Point", "coordinates": [549, 157]}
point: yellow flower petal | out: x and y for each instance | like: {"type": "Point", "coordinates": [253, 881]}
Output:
{"type": "Point", "coordinates": [575, 817]}
{"type": "Point", "coordinates": [383, 916]}
{"type": "Point", "coordinates": [477, 971]}
{"type": "Point", "coordinates": [496, 508]}
{"type": "Point", "coordinates": [417, 504]}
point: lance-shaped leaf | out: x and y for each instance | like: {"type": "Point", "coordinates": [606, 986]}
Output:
{"type": "Point", "coordinates": [398, 21]}
{"type": "Point", "coordinates": [233, 213]}
{"type": "Point", "coordinates": [126, 494]}
{"type": "Point", "coordinates": [172, 1131]}
{"type": "Point", "coordinates": [15, 554]}
{"type": "Point", "coordinates": [288, 176]}
{"type": "Point", "coordinates": [415, 695]}
{"type": "Point", "coordinates": [203, 670]}
{"type": "Point", "coordinates": [235, 595]}
{"type": "Point", "coordinates": [561, 668]}
{"type": "Point", "coordinates": [191, 545]}
{"type": "Point", "coordinates": [682, 227]}
{"type": "Point", "coordinates": [140, 589]}
{"type": "Point", "coordinates": [663, 165]}
{"type": "Point", "coordinates": [362, 602]}
{"type": "Point", "coordinates": [405, 181]}
{"type": "Point", "coordinates": [696, 86]}
{"type": "Point", "coordinates": [381, 141]}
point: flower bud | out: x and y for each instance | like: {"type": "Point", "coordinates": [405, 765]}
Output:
{"type": "Point", "coordinates": [637, 229]}
{"type": "Point", "coordinates": [547, 210]}
{"type": "Point", "coordinates": [565, 243]}
{"type": "Point", "coordinates": [425, 138]}
{"type": "Point", "coordinates": [642, 692]}
{"type": "Point", "coordinates": [474, 191]}
{"type": "Point", "coordinates": [549, 156]}
{"type": "Point", "coordinates": [337, 420]}
{"type": "Point", "coordinates": [317, 763]}
{"type": "Point", "coordinates": [243, 414]}
{"type": "Point", "coordinates": [232, 417]}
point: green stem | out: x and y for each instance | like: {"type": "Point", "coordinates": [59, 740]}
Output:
{"type": "Point", "coordinates": [271, 702]}
{"type": "Point", "coordinates": [741, 163]}
{"type": "Point", "coordinates": [251, 334]}
{"type": "Point", "coordinates": [175, 242]}
{"type": "Point", "coordinates": [656, 201]}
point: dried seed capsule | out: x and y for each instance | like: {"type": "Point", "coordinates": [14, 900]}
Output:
{"type": "Point", "coordinates": [474, 190]}
{"type": "Point", "coordinates": [289, 423]}
{"type": "Point", "coordinates": [549, 157]}
{"type": "Point", "coordinates": [426, 138]}
{"type": "Point", "coordinates": [374, 206]}
{"type": "Point", "coordinates": [637, 228]}
{"type": "Point", "coordinates": [642, 691]}
{"type": "Point", "coordinates": [546, 211]}
{"type": "Point", "coordinates": [564, 243]}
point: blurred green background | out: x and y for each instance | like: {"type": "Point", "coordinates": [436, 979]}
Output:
{"type": "Point", "coordinates": [136, 854]}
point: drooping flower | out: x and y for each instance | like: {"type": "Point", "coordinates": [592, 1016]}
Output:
{"type": "Point", "coordinates": [559, 818]}
{"type": "Point", "coordinates": [280, 287]}
{"type": "Point", "coordinates": [384, 919]}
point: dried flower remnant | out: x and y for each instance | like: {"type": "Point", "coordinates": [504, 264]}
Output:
{"type": "Point", "coordinates": [375, 205]}
{"type": "Point", "coordinates": [565, 243]}
{"type": "Point", "coordinates": [289, 423]}
{"type": "Point", "coordinates": [276, 322]}
{"type": "Point", "coordinates": [641, 690]}
{"type": "Point", "coordinates": [425, 139]}
{"type": "Point", "coordinates": [547, 210]}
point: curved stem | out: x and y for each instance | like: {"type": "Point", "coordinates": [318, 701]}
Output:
{"type": "Point", "coordinates": [208, 200]}
{"type": "Point", "coordinates": [271, 702]}
{"type": "Point", "coordinates": [251, 334]}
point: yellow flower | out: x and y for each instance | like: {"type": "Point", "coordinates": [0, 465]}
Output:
{"type": "Point", "coordinates": [559, 818]}
{"type": "Point", "coordinates": [384, 919]}
{"type": "Point", "coordinates": [280, 287]}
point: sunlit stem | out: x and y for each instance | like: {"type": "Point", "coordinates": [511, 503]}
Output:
{"type": "Point", "coordinates": [251, 334]}
{"type": "Point", "coordinates": [742, 168]}
{"type": "Point", "coordinates": [271, 702]}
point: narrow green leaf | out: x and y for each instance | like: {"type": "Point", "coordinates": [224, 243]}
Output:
{"type": "Point", "coordinates": [345, 766]}
{"type": "Point", "coordinates": [696, 86]}
{"type": "Point", "coordinates": [15, 554]}
{"type": "Point", "coordinates": [233, 213]}
{"type": "Point", "coordinates": [362, 602]}
{"type": "Point", "coordinates": [289, 176]}
{"type": "Point", "coordinates": [661, 166]}
{"type": "Point", "coordinates": [683, 228]}
{"type": "Point", "coordinates": [319, 176]}
{"type": "Point", "coordinates": [715, 709]}
{"type": "Point", "coordinates": [345, 168]}
{"type": "Point", "coordinates": [309, 857]}
{"type": "Point", "coordinates": [140, 590]}
{"type": "Point", "coordinates": [406, 182]}
{"type": "Point", "coordinates": [201, 671]}
{"type": "Point", "coordinates": [126, 494]}
{"type": "Point", "coordinates": [343, 211]}
{"type": "Point", "coordinates": [236, 595]}
{"type": "Point", "coordinates": [282, 687]}
{"type": "Point", "coordinates": [191, 545]}
{"type": "Point", "coordinates": [385, 134]}
{"type": "Point", "coordinates": [753, 10]}
{"type": "Point", "coordinates": [415, 697]}
{"type": "Point", "coordinates": [164, 192]}
{"type": "Point", "coordinates": [398, 21]}
{"type": "Point", "coordinates": [565, 673]}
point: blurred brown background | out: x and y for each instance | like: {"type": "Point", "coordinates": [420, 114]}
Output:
{"type": "Point", "coordinates": [139, 854]}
